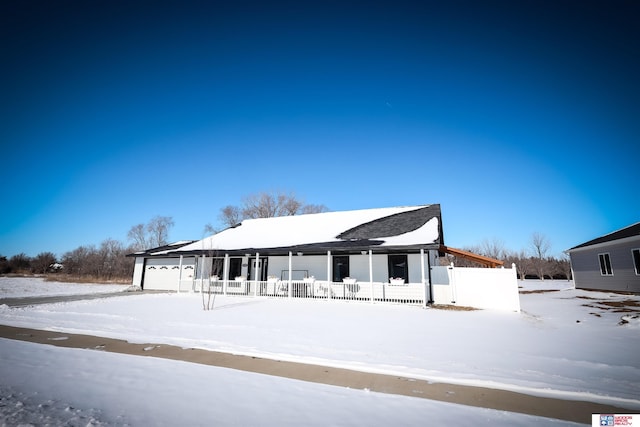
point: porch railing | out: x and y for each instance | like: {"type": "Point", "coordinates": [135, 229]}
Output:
{"type": "Point", "coordinates": [411, 293]}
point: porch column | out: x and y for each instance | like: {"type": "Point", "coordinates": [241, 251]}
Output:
{"type": "Point", "coordinates": [424, 284]}
{"type": "Point", "coordinates": [180, 273]}
{"type": "Point", "coordinates": [195, 272]}
{"type": "Point", "coordinates": [328, 274]}
{"type": "Point", "coordinates": [371, 273]}
{"type": "Point", "coordinates": [204, 257]}
{"type": "Point", "coordinates": [290, 271]}
{"type": "Point", "coordinates": [255, 274]}
{"type": "Point", "coordinates": [225, 274]}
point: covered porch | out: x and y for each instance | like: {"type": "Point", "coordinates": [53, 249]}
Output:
{"type": "Point", "coordinates": [357, 275]}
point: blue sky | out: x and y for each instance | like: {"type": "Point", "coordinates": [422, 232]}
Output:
{"type": "Point", "coordinates": [517, 117]}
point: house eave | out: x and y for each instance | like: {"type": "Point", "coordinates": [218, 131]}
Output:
{"type": "Point", "coordinates": [313, 249]}
{"type": "Point", "coordinates": [606, 244]}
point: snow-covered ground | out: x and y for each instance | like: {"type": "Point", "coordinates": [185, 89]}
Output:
{"type": "Point", "coordinates": [18, 287]}
{"type": "Point", "coordinates": [568, 344]}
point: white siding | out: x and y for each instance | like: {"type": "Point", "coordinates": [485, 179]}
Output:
{"type": "Point", "coordinates": [359, 267]}
{"type": "Point", "coordinates": [138, 270]}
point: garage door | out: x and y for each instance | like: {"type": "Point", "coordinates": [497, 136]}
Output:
{"type": "Point", "coordinates": [162, 274]}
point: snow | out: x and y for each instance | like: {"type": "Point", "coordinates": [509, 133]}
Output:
{"type": "Point", "coordinates": [564, 344]}
{"type": "Point", "coordinates": [18, 287]}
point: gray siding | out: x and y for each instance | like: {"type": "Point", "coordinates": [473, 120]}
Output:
{"type": "Point", "coordinates": [586, 267]}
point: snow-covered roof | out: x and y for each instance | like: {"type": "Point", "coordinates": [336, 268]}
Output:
{"type": "Point", "coordinates": [416, 226]}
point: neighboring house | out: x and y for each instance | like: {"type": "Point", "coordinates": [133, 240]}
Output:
{"type": "Point", "coordinates": [610, 262]}
{"type": "Point", "coordinates": [384, 254]}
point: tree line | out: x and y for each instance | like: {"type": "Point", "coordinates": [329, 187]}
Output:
{"type": "Point", "coordinates": [104, 262]}
{"type": "Point", "coordinates": [108, 262]}
{"type": "Point", "coordinates": [533, 262]}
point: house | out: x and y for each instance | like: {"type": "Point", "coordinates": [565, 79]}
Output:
{"type": "Point", "coordinates": [610, 262]}
{"type": "Point", "coordinates": [377, 255]}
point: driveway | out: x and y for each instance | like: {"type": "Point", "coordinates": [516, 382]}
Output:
{"type": "Point", "coordinates": [26, 301]}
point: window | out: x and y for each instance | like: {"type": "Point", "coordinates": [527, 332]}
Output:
{"type": "Point", "coordinates": [605, 265]}
{"type": "Point", "coordinates": [636, 260]}
{"type": "Point", "coordinates": [398, 267]}
{"type": "Point", "coordinates": [340, 268]}
{"type": "Point", "coordinates": [217, 267]}
{"type": "Point", "coordinates": [235, 268]}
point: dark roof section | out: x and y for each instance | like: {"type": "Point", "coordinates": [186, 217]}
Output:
{"type": "Point", "coordinates": [170, 246]}
{"type": "Point", "coordinates": [630, 231]}
{"type": "Point", "coordinates": [394, 225]}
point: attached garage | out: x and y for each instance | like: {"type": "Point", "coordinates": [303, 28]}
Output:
{"type": "Point", "coordinates": [164, 273]}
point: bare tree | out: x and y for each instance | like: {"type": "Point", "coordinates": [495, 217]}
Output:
{"type": "Point", "coordinates": [138, 235]}
{"type": "Point", "coordinates": [540, 245]}
{"type": "Point", "coordinates": [493, 248]}
{"type": "Point", "coordinates": [153, 234]}
{"type": "Point", "coordinates": [20, 263]}
{"type": "Point", "coordinates": [262, 205]}
{"type": "Point", "coordinates": [524, 264]}
{"type": "Point", "coordinates": [230, 215]}
{"type": "Point", "coordinates": [42, 262]}
{"type": "Point", "coordinates": [76, 262]}
{"type": "Point", "coordinates": [158, 230]}
{"type": "Point", "coordinates": [209, 230]}
{"type": "Point", "coordinates": [266, 205]}
{"type": "Point", "coordinates": [311, 209]}
{"type": "Point", "coordinates": [4, 265]}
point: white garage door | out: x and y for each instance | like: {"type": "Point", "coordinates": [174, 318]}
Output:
{"type": "Point", "coordinates": [162, 274]}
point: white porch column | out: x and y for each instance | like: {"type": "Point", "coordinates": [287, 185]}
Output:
{"type": "Point", "coordinates": [290, 272]}
{"type": "Point", "coordinates": [422, 276]}
{"type": "Point", "coordinates": [225, 274]}
{"type": "Point", "coordinates": [255, 274]}
{"type": "Point", "coordinates": [180, 273]}
{"type": "Point", "coordinates": [195, 272]}
{"type": "Point", "coordinates": [204, 257]}
{"type": "Point", "coordinates": [371, 273]}
{"type": "Point", "coordinates": [328, 274]}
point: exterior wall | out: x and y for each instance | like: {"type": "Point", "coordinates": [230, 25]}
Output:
{"type": "Point", "coordinates": [586, 266]}
{"type": "Point", "coordinates": [316, 266]}
{"type": "Point", "coordinates": [309, 265]}
{"type": "Point", "coordinates": [487, 288]}
{"type": "Point", "coordinates": [138, 270]}
{"type": "Point", "coordinates": [359, 267]}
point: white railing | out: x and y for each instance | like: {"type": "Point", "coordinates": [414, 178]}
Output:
{"type": "Point", "coordinates": [410, 293]}
{"type": "Point", "coordinates": [485, 288]}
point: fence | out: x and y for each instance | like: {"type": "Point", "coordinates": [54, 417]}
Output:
{"type": "Point", "coordinates": [484, 288]}
{"type": "Point", "coordinates": [412, 293]}
{"type": "Point", "coordinates": [490, 288]}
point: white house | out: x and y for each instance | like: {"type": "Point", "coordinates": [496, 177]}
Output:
{"type": "Point", "coordinates": [384, 254]}
{"type": "Point", "coordinates": [610, 262]}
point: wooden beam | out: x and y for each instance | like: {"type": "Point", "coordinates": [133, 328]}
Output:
{"type": "Point", "coordinates": [480, 259]}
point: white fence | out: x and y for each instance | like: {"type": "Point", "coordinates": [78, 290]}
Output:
{"type": "Point", "coordinates": [411, 293]}
{"type": "Point", "coordinates": [491, 288]}
{"type": "Point", "coordinates": [484, 288]}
